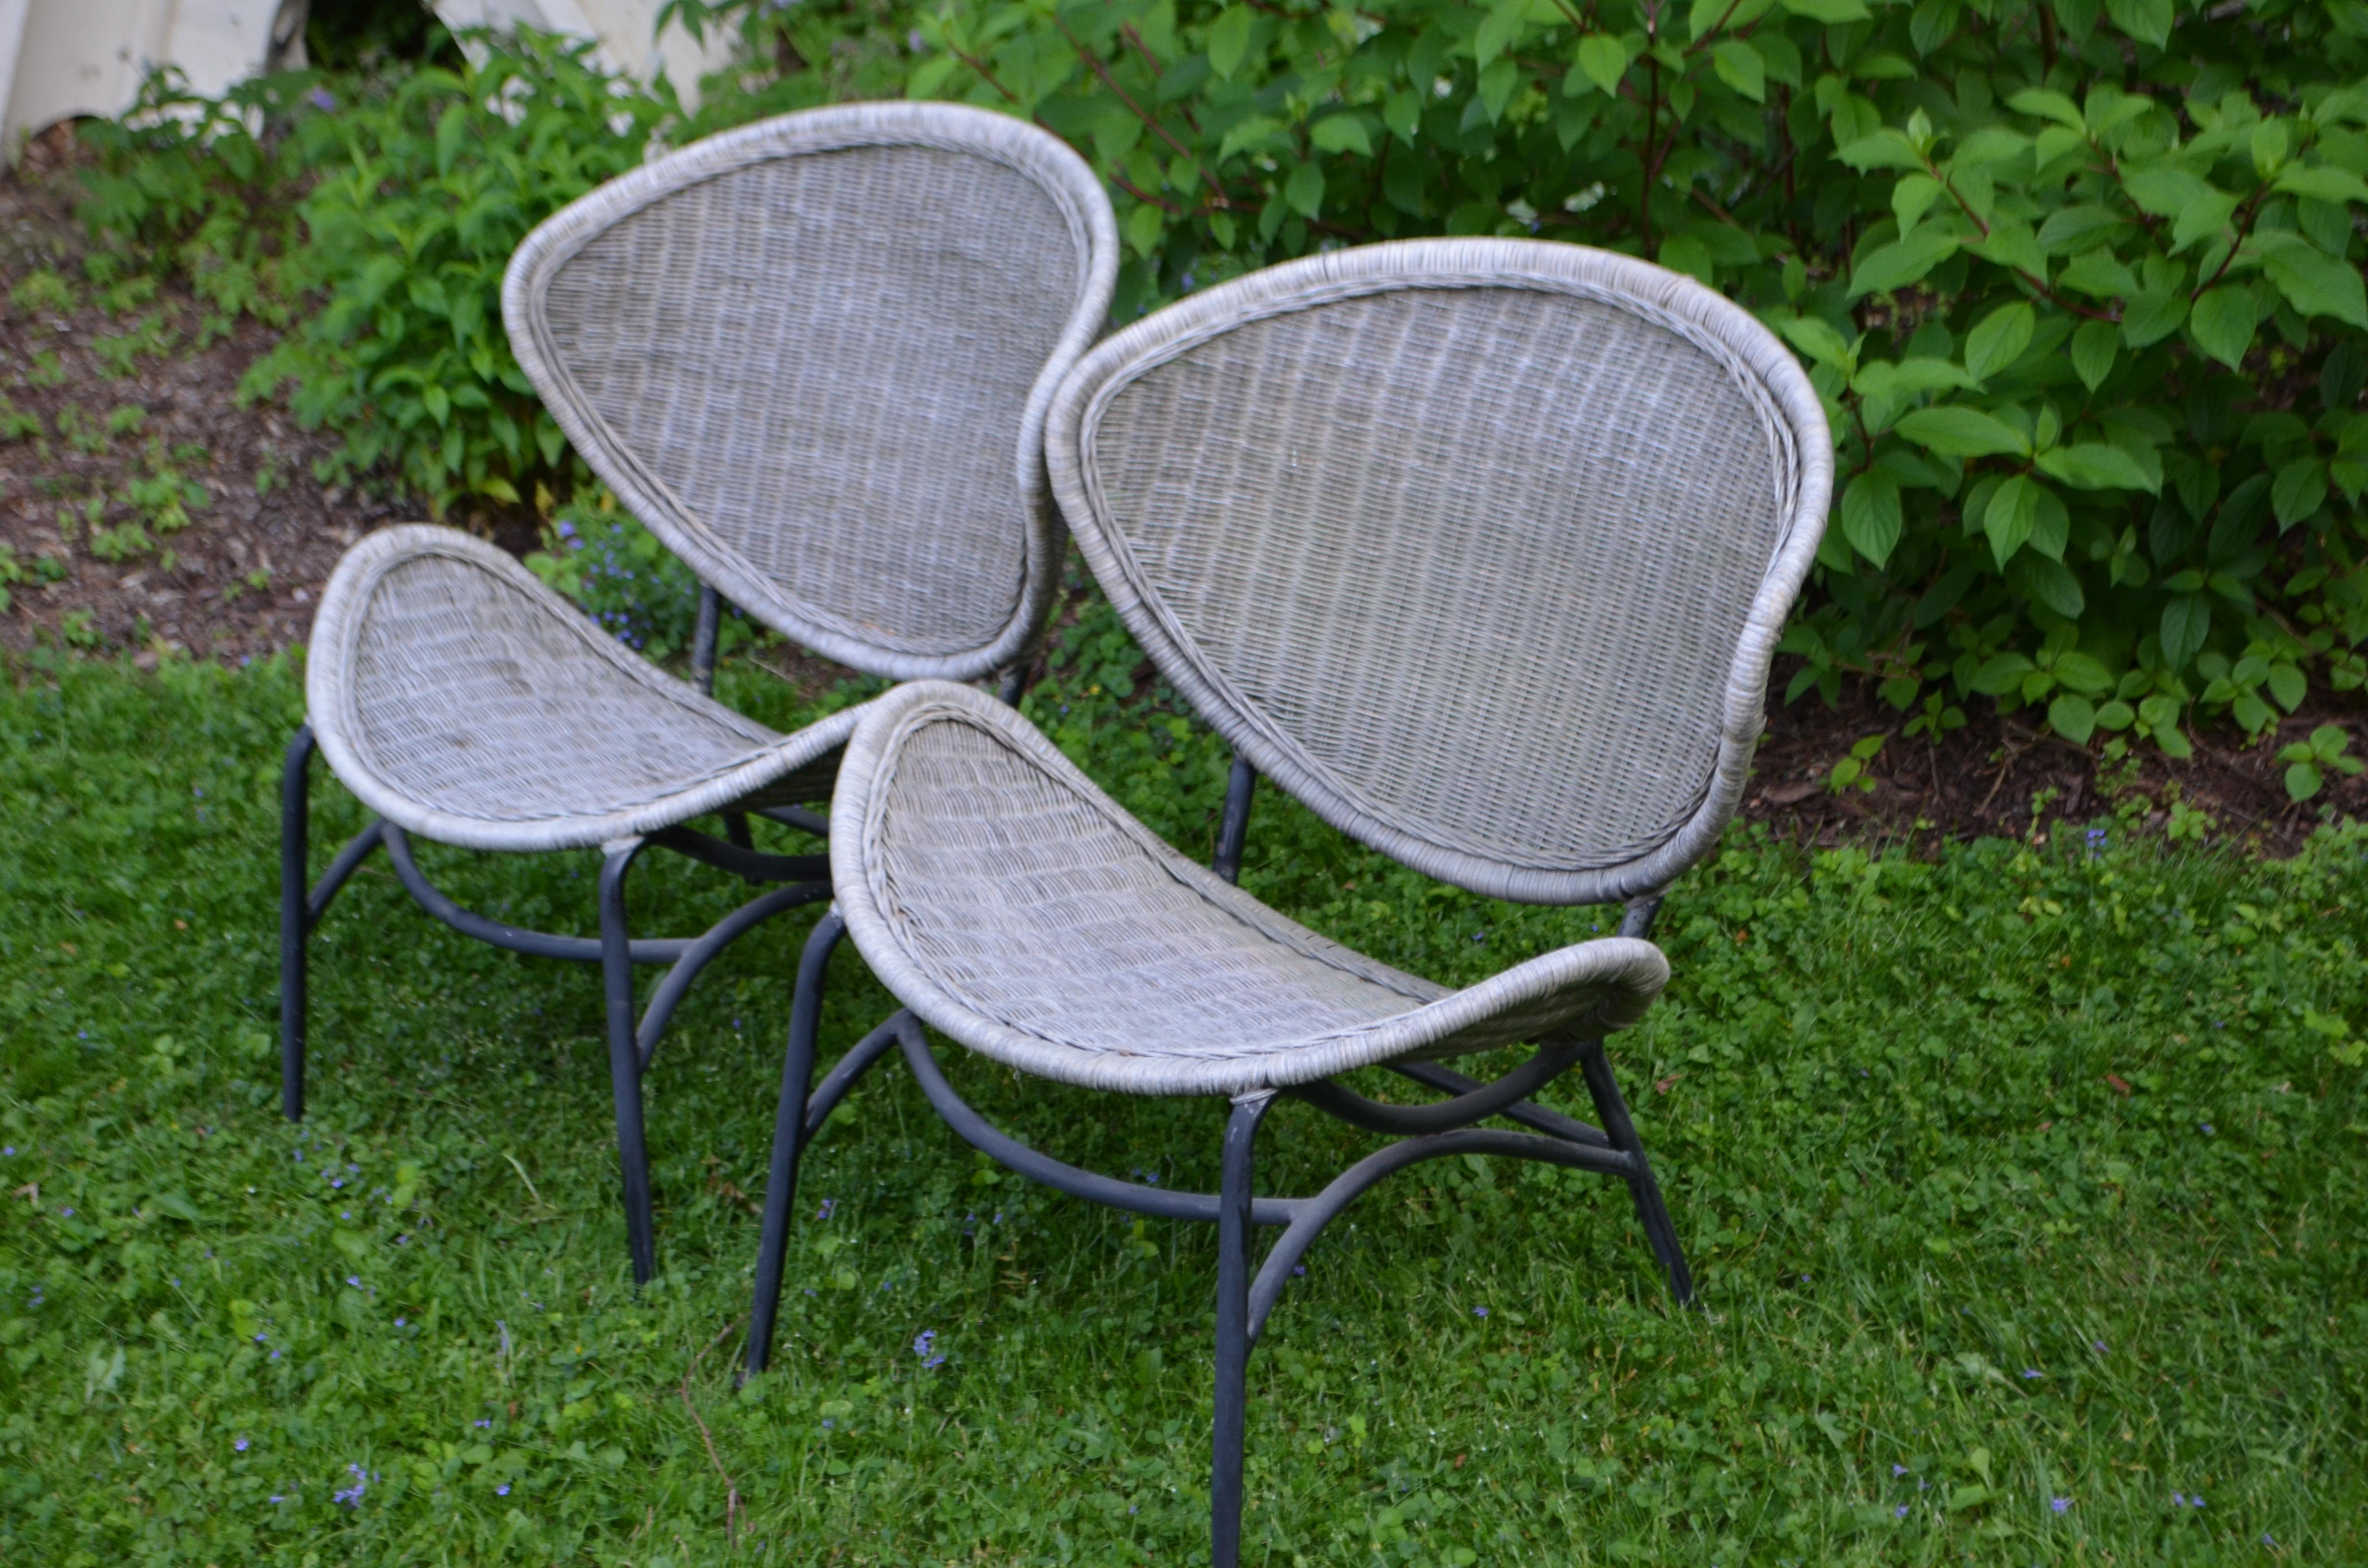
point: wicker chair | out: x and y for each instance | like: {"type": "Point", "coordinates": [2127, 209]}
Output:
{"type": "Point", "coordinates": [1479, 549]}
{"type": "Point", "coordinates": [815, 357]}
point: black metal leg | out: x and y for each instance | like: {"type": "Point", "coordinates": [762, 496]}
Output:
{"type": "Point", "coordinates": [624, 1058]}
{"type": "Point", "coordinates": [788, 1138]}
{"type": "Point", "coordinates": [1651, 1212]}
{"type": "Point", "coordinates": [1234, 827]}
{"type": "Point", "coordinates": [295, 917]}
{"type": "Point", "coordinates": [1235, 1188]}
{"type": "Point", "coordinates": [702, 639]}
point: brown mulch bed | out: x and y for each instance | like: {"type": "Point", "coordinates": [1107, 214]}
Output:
{"type": "Point", "coordinates": [239, 579]}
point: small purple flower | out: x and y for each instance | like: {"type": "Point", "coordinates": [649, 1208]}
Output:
{"type": "Point", "coordinates": [337, 1181]}
{"type": "Point", "coordinates": [2206, 1127]}
{"type": "Point", "coordinates": [2266, 1540]}
{"type": "Point", "coordinates": [67, 1212]}
{"type": "Point", "coordinates": [1479, 1312]}
{"type": "Point", "coordinates": [277, 1497]}
{"type": "Point", "coordinates": [259, 1338]}
{"type": "Point", "coordinates": [2061, 1505]}
{"type": "Point", "coordinates": [481, 1423]}
{"type": "Point", "coordinates": [1299, 1271]}
{"type": "Point", "coordinates": [2031, 1371]}
{"type": "Point", "coordinates": [355, 1280]}
{"type": "Point", "coordinates": [925, 1342]}
{"type": "Point", "coordinates": [398, 1322]}
{"type": "Point", "coordinates": [1900, 1512]}
{"type": "Point", "coordinates": [9, 1150]}
{"type": "Point", "coordinates": [2101, 1347]}
{"type": "Point", "coordinates": [345, 1214]}
{"type": "Point", "coordinates": [503, 1490]}
{"type": "Point", "coordinates": [829, 1205]}
{"type": "Point", "coordinates": [2196, 1501]}
{"type": "Point", "coordinates": [275, 1355]}
{"type": "Point", "coordinates": [933, 1363]}
{"type": "Point", "coordinates": [1898, 1469]}
{"type": "Point", "coordinates": [827, 1423]}
{"type": "Point", "coordinates": [2179, 1499]}
{"type": "Point", "coordinates": [239, 1446]}
{"type": "Point", "coordinates": [321, 98]}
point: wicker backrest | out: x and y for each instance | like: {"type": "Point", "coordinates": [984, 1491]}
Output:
{"type": "Point", "coordinates": [1480, 547]}
{"type": "Point", "coordinates": [813, 356]}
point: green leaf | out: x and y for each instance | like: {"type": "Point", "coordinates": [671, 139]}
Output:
{"type": "Point", "coordinates": [2222, 324]}
{"type": "Point", "coordinates": [1903, 262]}
{"type": "Point", "coordinates": [2092, 465]}
{"type": "Point", "coordinates": [1884, 149]}
{"type": "Point", "coordinates": [2303, 782]}
{"type": "Point", "coordinates": [2052, 584]}
{"type": "Point", "coordinates": [2001, 674]}
{"type": "Point", "coordinates": [2073, 718]}
{"type": "Point", "coordinates": [2148, 21]}
{"type": "Point", "coordinates": [1604, 61]}
{"type": "Point", "coordinates": [1143, 226]}
{"type": "Point", "coordinates": [1817, 338]}
{"type": "Point", "coordinates": [2049, 106]}
{"type": "Point", "coordinates": [2149, 317]}
{"type": "Point", "coordinates": [1305, 190]}
{"type": "Point", "coordinates": [1341, 133]}
{"type": "Point", "coordinates": [1739, 66]}
{"type": "Point", "coordinates": [2186, 623]}
{"type": "Point", "coordinates": [1955, 431]}
{"type": "Point", "coordinates": [1229, 41]}
{"type": "Point", "coordinates": [2287, 684]}
{"type": "Point", "coordinates": [1498, 83]}
{"type": "Point", "coordinates": [2165, 190]}
{"type": "Point", "coordinates": [2204, 218]}
{"type": "Point", "coordinates": [2115, 716]}
{"type": "Point", "coordinates": [2082, 672]}
{"type": "Point", "coordinates": [2013, 245]}
{"type": "Point", "coordinates": [2298, 492]}
{"type": "Point", "coordinates": [1999, 339]}
{"type": "Point", "coordinates": [2322, 182]}
{"type": "Point", "coordinates": [2013, 508]}
{"type": "Point", "coordinates": [1687, 253]}
{"type": "Point", "coordinates": [1247, 133]}
{"type": "Point", "coordinates": [1500, 29]}
{"type": "Point", "coordinates": [1830, 12]}
{"type": "Point", "coordinates": [2315, 283]}
{"type": "Point", "coordinates": [1912, 198]}
{"type": "Point", "coordinates": [178, 1205]}
{"type": "Point", "coordinates": [2094, 348]}
{"type": "Point", "coordinates": [1403, 114]}
{"type": "Point", "coordinates": [1871, 515]}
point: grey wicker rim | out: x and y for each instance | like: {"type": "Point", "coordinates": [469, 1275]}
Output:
{"type": "Point", "coordinates": [1034, 154]}
{"type": "Point", "coordinates": [1599, 985]}
{"type": "Point", "coordinates": [1763, 371]}
{"type": "Point", "coordinates": [332, 690]}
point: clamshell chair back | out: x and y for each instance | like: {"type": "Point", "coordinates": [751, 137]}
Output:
{"type": "Point", "coordinates": [1480, 547]}
{"type": "Point", "coordinates": [814, 355]}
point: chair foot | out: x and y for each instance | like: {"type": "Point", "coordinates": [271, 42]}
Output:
{"type": "Point", "coordinates": [1236, 1188]}
{"type": "Point", "coordinates": [789, 1139]}
{"type": "Point", "coordinates": [295, 918]}
{"type": "Point", "coordinates": [1651, 1210]}
{"type": "Point", "coordinates": [624, 1058]}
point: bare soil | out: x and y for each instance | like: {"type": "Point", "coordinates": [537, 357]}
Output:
{"type": "Point", "coordinates": [104, 572]}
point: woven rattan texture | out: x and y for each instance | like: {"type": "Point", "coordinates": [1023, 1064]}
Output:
{"type": "Point", "coordinates": [830, 378]}
{"type": "Point", "coordinates": [464, 700]}
{"type": "Point", "coordinates": [1478, 547]}
{"type": "Point", "coordinates": [1444, 541]}
{"type": "Point", "coordinates": [813, 356]}
{"type": "Point", "coordinates": [1015, 906]}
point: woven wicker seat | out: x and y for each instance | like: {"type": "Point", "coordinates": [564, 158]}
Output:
{"type": "Point", "coordinates": [813, 356]}
{"type": "Point", "coordinates": [1479, 549]}
{"type": "Point", "coordinates": [979, 849]}
{"type": "Point", "coordinates": [460, 699]}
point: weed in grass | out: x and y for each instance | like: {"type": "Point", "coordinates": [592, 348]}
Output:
{"type": "Point", "coordinates": [80, 431]}
{"type": "Point", "coordinates": [17, 424]}
{"type": "Point", "coordinates": [2019, 1183]}
{"type": "Point", "coordinates": [42, 290]}
{"type": "Point", "coordinates": [48, 370]}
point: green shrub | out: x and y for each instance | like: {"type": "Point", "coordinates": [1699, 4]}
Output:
{"type": "Point", "coordinates": [2080, 285]}
{"type": "Point", "coordinates": [597, 555]}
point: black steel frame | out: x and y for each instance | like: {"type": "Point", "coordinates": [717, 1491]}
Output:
{"type": "Point", "coordinates": [1247, 1288]}
{"type": "Point", "coordinates": [632, 1043]}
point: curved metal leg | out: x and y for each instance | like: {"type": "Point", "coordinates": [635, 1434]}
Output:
{"type": "Point", "coordinates": [789, 1137]}
{"type": "Point", "coordinates": [1235, 1188]}
{"type": "Point", "coordinates": [1651, 1212]}
{"type": "Point", "coordinates": [624, 1057]}
{"type": "Point", "coordinates": [295, 918]}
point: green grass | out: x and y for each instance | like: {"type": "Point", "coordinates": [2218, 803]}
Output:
{"type": "Point", "coordinates": [1949, 1266]}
